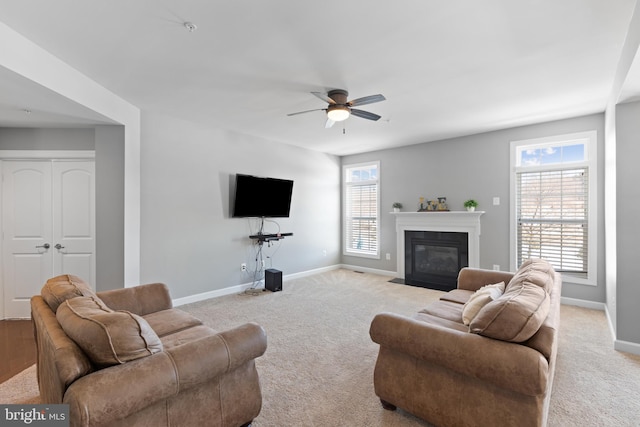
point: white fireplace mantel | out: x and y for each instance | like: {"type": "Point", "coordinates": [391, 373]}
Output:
{"type": "Point", "coordinates": [455, 221]}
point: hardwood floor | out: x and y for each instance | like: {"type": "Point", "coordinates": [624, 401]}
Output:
{"type": "Point", "coordinates": [17, 347]}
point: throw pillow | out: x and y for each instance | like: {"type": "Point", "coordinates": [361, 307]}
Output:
{"type": "Point", "coordinates": [108, 337]}
{"type": "Point", "coordinates": [60, 288]}
{"type": "Point", "coordinates": [479, 299]}
{"type": "Point", "coordinates": [516, 316]}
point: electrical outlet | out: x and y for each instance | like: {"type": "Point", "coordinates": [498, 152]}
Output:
{"type": "Point", "coordinates": [243, 266]}
{"type": "Point", "coordinates": [496, 267]}
{"type": "Point", "coordinates": [324, 252]}
{"type": "Point", "coordinates": [388, 257]}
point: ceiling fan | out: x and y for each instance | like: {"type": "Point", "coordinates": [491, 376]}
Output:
{"type": "Point", "coordinates": [340, 109]}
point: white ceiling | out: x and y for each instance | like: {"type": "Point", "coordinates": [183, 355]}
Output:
{"type": "Point", "coordinates": [447, 68]}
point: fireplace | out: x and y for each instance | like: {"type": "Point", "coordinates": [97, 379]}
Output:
{"type": "Point", "coordinates": [433, 258]}
{"type": "Point", "coordinates": [442, 224]}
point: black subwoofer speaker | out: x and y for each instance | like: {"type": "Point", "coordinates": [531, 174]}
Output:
{"type": "Point", "coordinates": [273, 280]}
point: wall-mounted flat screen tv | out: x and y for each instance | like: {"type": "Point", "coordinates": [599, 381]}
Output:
{"type": "Point", "coordinates": [262, 197]}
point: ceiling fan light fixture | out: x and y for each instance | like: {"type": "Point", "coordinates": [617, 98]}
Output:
{"type": "Point", "coordinates": [338, 113]}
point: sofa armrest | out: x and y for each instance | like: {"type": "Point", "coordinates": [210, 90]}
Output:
{"type": "Point", "coordinates": [122, 390]}
{"type": "Point", "coordinates": [140, 300]}
{"type": "Point", "coordinates": [211, 356]}
{"type": "Point", "coordinates": [472, 279]}
{"type": "Point", "coordinates": [507, 365]}
{"type": "Point", "coordinates": [119, 391]}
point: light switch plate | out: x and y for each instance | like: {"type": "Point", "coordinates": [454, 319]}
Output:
{"type": "Point", "coordinates": [496, 201]}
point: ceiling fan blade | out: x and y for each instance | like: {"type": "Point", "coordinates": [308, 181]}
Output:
{"type": "Point", "coordinates": [306, 111]}
{"type": "Point", "coordinates": [364, 114]}
{"type": "Point", "coordinates": [366, 100]}
{"type": "Point", "coordinates": [324, 97]}
{"type": "Point", "coordinates": [329, 123]}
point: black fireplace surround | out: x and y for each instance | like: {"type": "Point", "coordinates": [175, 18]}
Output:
{"type": "Point", "coordinates": [433, 259]}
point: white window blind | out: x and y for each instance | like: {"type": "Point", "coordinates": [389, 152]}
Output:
{"type": "Point", "coordinates": [361, 208]}
{"type": "Point", "coordinates": [553, 218]}
{"type": "Point", "coordinates": [554, 204]}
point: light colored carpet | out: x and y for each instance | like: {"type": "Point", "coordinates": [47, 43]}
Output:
{"type": "Point", "coordinates": [318, 367]}
{"type": "Point", "coordinates": [22, 388]}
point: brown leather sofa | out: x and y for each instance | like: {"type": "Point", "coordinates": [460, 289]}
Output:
{"type": "Point", "coordinates": [135, 360]}
{"type": "Point", "coordinates": [496, 371]}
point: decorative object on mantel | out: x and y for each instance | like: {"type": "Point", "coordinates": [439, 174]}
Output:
{"type": "Point", "coordinates": [397, 206]}
{"type": "Point", "coordinates": [439, 205]}
{"type": "Point", "coordinates": [442, 204]}
{"type": "Point", "coordinates": [471, 205]}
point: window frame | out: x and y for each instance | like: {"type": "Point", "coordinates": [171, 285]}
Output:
{"type": "Point", "coordinates": [589, 139]}
{"type": "Point", "coordinates": [345, 215]}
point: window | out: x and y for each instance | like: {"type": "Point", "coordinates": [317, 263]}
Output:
{"type": "Point", "coordinates": [361, 210]}
{"type": "Point", "coordinates": [554, 204]}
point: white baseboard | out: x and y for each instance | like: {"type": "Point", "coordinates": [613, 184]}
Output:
{"type": "Point", "coordinates": [369, 270]}
{"type": "Point", "coordinates": [583, 303]}
{"type": "Point", "coordinates": [627, 347]}
{"type": "Point", "coordinates": [620, 345]}
{"type": "Point", "coordinates": [243, 287]}
{"type": "Point", "coordinates": [211, 294]}
{"type": "Point", "coordinates": [310, 272]}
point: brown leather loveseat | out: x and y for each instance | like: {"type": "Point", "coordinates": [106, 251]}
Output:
{"type": "Point", "coordinates": [125, 358]}
{"type": "Point", "coordinates": [483, 355]}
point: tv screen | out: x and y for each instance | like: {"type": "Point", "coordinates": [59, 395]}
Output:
{"type": "Point", "coordinates": [262, 197]}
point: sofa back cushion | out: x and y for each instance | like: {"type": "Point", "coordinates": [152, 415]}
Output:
{"type": "Point", "coordinates": [536, 272]}
{"type": "Point", "coordinates": [61, 288]}
{"type": "Point", "coordinates": [108, 337]}
{"type": "Point", "coordinates": [518, 314]}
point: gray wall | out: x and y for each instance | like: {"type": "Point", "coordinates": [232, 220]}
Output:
{"type": "Point", "coordinates": [46, 139]}
{"type": "Point", "coordinates": [108, 143]}
{"type": "Point", "coordinates": [188, 240]}
{"type": "Point", "coordinates": [628, 212]}
{"type": "Point", "coordinates": [109, 148]}
{"type": "Point", "coordinates": [477, 167]}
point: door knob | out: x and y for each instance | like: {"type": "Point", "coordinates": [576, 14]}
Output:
{"type": "Point", "coordinates": [46, 246]}
{"type": "Point", "coordinates": [58, 246]}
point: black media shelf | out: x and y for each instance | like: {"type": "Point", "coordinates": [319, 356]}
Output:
{"type": "Point", "coordinates": [269, 237]}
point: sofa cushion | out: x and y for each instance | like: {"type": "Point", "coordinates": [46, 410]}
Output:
{"type": "Point", "coordinates": [479, 299]}
{"type": "Point", "coordinates": [460, 296]}
{"type": "Point", "coordinates": [445, 310]}
{"type": "Point", "coordinates": [60, 288]}
{"type": "Point", "coordinates": [108, 337]}
{"type": "Point", "coordinates": [515, 316]}
{"type": "Point", "coordinates": [166, 322]}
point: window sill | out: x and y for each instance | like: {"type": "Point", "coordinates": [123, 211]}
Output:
{"type": "Point", "coordinates": [568, 278]}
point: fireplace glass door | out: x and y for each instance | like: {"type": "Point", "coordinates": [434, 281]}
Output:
{"type": "Point", "coordinates": [434, 259]}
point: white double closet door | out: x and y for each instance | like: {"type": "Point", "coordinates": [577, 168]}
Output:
{"type": "Point", "coordinates": [48, 227]}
